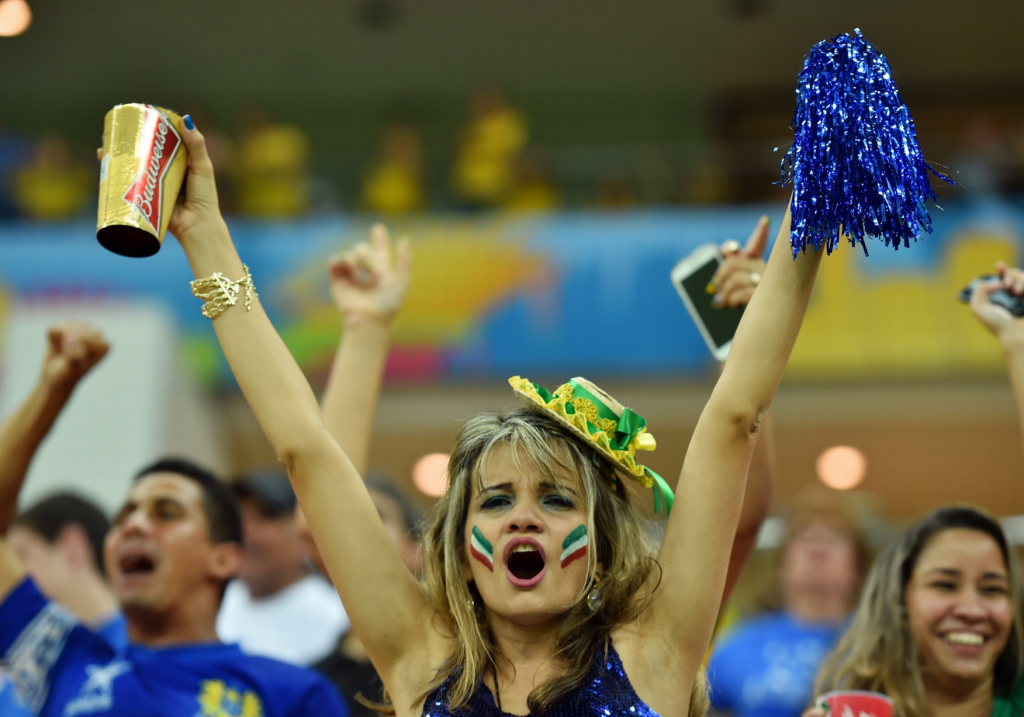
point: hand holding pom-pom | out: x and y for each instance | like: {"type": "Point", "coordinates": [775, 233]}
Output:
{"type": "Point", "coordinates": [855, 165]}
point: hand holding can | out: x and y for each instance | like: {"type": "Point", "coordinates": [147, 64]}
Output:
{"type": "Point", "coordinates": [143, 165]}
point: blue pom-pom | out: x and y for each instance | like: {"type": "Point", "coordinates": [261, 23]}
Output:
{"type": "Point", "coordinates": [855, 165]}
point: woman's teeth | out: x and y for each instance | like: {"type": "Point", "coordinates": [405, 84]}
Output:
{"type": "Point", "coordinates": [965, 638]}
{"type": "Point", "coordinates": [524, 549]}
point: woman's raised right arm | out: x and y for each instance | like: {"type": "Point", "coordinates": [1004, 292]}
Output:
{"type": "Point", "coordinates": [389, 610]}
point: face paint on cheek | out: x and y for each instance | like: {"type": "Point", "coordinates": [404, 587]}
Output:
{"type": "Point", "coordinates": [575, 545]}
{"type": "Point", "coordinates": [481, 548]}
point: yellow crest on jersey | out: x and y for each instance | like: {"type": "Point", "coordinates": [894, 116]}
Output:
{"type": "Point", "coordinates": [216, 699]}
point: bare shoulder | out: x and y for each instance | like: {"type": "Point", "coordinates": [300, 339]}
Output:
{"type": "Point", "coordinates": [413, 673]}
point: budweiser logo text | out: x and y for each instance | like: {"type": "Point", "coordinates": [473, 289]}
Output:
{"type": "Point", "coordinates": [160, 143]}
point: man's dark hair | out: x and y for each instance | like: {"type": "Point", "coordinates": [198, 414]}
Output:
{"type": "Point", "coordinates": [50, 516]}
{"type": "Point", "coordinates": [219, 504]}
{"type": "Point", "coordinates": [411, 515]}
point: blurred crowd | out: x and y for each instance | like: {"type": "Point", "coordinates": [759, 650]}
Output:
{"type": "Point", "coordinates": [253, 575]}
{"type": "Point", "coordinates": [267, 169]}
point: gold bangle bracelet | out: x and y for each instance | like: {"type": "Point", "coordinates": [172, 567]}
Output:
{"type": "Point", "coordinates": [219, 292]}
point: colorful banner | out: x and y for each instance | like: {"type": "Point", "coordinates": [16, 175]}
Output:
{"type": "Point", "coordinates": [555, 295]}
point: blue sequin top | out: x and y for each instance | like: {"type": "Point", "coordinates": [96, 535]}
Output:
{"type": "Point", "coordinates": [606, 693]}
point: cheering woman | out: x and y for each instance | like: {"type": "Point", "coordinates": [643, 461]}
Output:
{"type": "Point", "coordinates": [544, 591]}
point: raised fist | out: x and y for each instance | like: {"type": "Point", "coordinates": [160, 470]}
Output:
{"type": "Point", "coordinates": [73, 350]}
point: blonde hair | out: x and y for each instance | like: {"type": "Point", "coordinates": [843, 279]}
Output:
{"type": "Point", "coordinates": [621, 540]}
{"type": "Point", "coordinates": [878, 653]}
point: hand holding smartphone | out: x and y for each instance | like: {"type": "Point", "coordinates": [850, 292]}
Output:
{"type": "Point", "coordinates": [717, 308]}
{"type": "Point", "coordinates": [691, 277]}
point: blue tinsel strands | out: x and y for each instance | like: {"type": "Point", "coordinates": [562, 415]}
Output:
{"type": "Point", "coordinates": [855, 164]}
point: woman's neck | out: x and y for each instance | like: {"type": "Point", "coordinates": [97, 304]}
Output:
{"type": "Point", "coordinates": [526, 659]}
{"type": "Point", "coordinates": [955, 698]}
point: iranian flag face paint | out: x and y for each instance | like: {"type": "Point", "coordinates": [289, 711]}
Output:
{"type": "Point", "coordinates": [575, 545]}
{"type": "Point", "coordinates": [481, 548]}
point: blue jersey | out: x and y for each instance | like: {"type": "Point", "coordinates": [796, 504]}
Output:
{"type": "Point", "coordinates": [765, 667]}
{"type": "Point", "coordinates": [61, 669]}
{"type": "Point", "coordinates": [113, 631]}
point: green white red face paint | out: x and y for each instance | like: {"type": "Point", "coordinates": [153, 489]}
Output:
{"type": "Point", "coordinates": [575, 545]}
{"type": "Point", "coordinates": [481, 548]}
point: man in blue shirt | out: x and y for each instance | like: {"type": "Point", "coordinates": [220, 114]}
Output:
{"type": "Point", "coordinates": [171, 550]}
{"type": "Point", "coordinates": [765, 666]}
{"type": "Point", "coordinates": [59, 541]}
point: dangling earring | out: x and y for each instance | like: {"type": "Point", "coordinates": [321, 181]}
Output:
{"type": "Point", "coordinates": [596, 596]}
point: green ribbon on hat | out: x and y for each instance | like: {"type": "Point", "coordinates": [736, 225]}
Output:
{"type": "Point", "coordinates": [619, 435]}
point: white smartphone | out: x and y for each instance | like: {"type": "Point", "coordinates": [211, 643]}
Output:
{"type": "Point", "coordinates": [691, 277]}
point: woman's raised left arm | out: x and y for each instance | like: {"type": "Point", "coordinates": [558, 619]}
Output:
{"type": "Point", "coordinates": [709, 496]}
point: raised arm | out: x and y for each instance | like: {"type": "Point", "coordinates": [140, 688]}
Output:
{"type": "Point", "coordinates": [389, 610]}
{"type": "Point", "coordinates": [1006, 327]}
{"type": "Point", "coordinates": [734, 285]}
{"type": "Point", "coordinates": [73, 350]}
{"type": "Point", "coordinates": [368, 286]}
{"type": "Point", "coordinates": [701, 531]}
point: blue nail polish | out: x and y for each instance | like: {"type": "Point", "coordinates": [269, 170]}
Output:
{"type": "Point", "coordinates": [189, 124]}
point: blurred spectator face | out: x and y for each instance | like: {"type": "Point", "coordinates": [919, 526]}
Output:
{"type": "Point", "coordinates": [394, 523]}
{"type": "Point", "coordinates": [274, 555]}
{"type": "Point", "coordinates": [486, 100]}
{"type": "Point", "coordinates": [54, 567]}
{"type": "Point", "coordinates": [159, 554]}
{"type": "Point", "coordinates": [958, 606]}
{"type": "Point", "coordinates": [308, 544]}
{"type": "Point", "coordinates": [54, 152]}
{"type": "Point", "coordinates": [401, 143]}
{"type": "Point", "coordinates": [820, 558]}
{"type": "Point", "coordinates": [982, 134]}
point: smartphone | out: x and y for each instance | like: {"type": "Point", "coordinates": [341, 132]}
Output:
{"type": "Point", "coordinates": [691, 277]}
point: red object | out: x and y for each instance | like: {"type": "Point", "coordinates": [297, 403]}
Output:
{"type": "Point", "coordinates": [856, 703]}
{"type": "Point", "coordinates": [159, 142]}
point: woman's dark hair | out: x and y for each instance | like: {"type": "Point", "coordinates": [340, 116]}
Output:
{"type": "Point", "coordinates": [219, 503]}
{"type": "Point", "coordinates": [877, 652]}
{"type": "Point", "coordinates": [50, 516]}
{"type": "Point", "coordinates": [1011, 661]}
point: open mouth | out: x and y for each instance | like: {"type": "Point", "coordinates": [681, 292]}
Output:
{"type": "Point", "coordinates": [136, 564]}
{"type": "Point", "coordinates": [525, 562]}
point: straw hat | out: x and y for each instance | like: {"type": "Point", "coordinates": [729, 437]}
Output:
{"type": "Point", "coordinates": [596, 417]}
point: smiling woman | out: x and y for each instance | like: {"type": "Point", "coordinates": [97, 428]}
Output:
{"type": "Point", "coordinates": [939, 626]}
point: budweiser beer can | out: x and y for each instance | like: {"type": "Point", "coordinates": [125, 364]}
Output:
{"type": "Point", "coordinates": [144, 162]}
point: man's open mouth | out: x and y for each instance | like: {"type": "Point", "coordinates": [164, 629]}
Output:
{"type": "Point", "coordinates": [136, 564]}
{"type": "Point", "coordinates": [525, 562]}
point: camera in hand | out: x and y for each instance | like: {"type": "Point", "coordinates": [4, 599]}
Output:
{"type": "Point", "coordinates": [1012, 303]}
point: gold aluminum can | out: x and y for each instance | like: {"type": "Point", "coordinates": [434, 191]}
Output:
{"type": "Point", "coordinates": [144, 162]}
